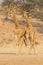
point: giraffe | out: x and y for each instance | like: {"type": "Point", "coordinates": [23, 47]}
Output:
{"type": "Point", "coordinates": [20, 30]}
{"type": "Point", "coordinates": [23, 30]}
{"type": "Point", "coordinates": [31, 31]}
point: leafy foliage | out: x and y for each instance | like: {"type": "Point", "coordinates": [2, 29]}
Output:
{"type": "Point", "coordinates": [8, 2]}
{"type": "Point", "coordinates": [33, 7]}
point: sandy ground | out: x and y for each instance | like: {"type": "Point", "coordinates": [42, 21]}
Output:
{"type": "Point", "coordinates": [11, 59]}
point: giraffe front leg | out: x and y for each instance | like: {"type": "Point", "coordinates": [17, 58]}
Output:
{"type": "Point", "coordinates": [32, 49]}
{"type": "Point", "coordinates": [20, 45]}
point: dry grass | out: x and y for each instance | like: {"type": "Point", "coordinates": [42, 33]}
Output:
{"type": "Point", "coordinates": [18, 34]}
